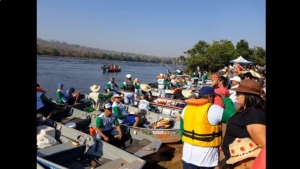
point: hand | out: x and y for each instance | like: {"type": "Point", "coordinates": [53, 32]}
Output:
{"type": "Point", "coordinates": [106, 139]}
{"type": "Point", "coordinates": [119, 136]}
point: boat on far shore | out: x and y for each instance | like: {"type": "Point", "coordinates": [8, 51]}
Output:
{"type": "Point", "coordinates": [111, 68]}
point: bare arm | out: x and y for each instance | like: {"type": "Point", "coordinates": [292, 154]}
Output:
{"type": "Point", "coordinates": [120, 132]}
{"type": "Point", "coordinates": [258, 133]}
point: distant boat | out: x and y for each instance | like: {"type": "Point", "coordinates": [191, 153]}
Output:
{"type": "Point", "coordinates": [114, 69]}
{"type": "Point", "coordinates": [111, 69]}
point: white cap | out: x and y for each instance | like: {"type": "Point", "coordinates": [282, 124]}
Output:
{"type": "Point", "coordinates": [236, 78]}
{"type": "Point", "coordinates": [223, 70]}
{"type": "Point", "coordinates": [161, 74]}
{"type": "Point", "coordinates": [128, 75]}
{"type": "Point", "coordinates": [107, 106]}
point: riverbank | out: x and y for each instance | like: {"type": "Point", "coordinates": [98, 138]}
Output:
{"type": "Point", "coordinates": [169, 156]}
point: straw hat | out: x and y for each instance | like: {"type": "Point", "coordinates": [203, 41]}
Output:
{"type": "Point", "coordinates": [95, 88]}
{"type": "Point", "coordinates": [255, 74]}
{"type": "Point", "coordinates": [242, 148]}
{"type": "Point", "coordinates": [112, 99]}
{"type": "Point", "coordinates": [145, 87]}
{"type": "Point", "coordinates": [187, 93]}
{"type": "Point", "coordinates": [249, 86]}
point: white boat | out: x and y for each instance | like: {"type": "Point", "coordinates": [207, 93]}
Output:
{"type": "Point", "coordinates": [138, 143]}
{"type": "Point", "coordinates": [71, 148]}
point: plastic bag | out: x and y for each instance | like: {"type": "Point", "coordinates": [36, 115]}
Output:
{"type": "Point", "coordinates": [44, 140]}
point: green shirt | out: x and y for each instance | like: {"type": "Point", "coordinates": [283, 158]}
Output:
{"type": "Point", "coordinates": [105, 96]}
{"type": "Point", "coordinates": [99, 122]}
{"type": "Point", "coordinates": [136, 86]}
{"type": "Point", "coordinates": [59, 97]}
{"type": "Point", "coordinates": [46, 100]}
{"type": "Point", "coordinates": [117, 113]}
{"type": "Point", "coordinates": [229, 109]}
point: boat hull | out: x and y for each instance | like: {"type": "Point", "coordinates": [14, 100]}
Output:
{"type": "Point", "coordinates": [171, 135]}
{"type": "Point", "coordinates": [114, 70]}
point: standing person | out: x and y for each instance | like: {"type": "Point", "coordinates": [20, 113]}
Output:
{"type": "Point", "coordinates": [250, 120]}
{"type": "Point", "coordinates": [202, 131]}
{"type": "Point", "coordinates": [112, 86]}
{"type": "Point", "coordinates": [161, 84]}
{"type": "Point", "coordinates": [70, 96]}
{"type": "Point", "coordinates": [137, 88]}
{"type": "Point", "coordinates": [128, 88]}
{"type": "Point", "coordinates": [195, 76]}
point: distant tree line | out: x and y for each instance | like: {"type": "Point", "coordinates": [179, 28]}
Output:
{"type": "Point", "coordinates": [213, 56]}
{"type": "Point", "coordinates": [63, 49]}
{"type": "Point", "coordinates": [208, 56]}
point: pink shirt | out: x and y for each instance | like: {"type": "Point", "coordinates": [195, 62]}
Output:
{"type": "Point", "coordinates": [218, 99]}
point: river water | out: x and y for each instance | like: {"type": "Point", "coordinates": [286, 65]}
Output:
{"type": "Point", "coordinates": [81, 74]}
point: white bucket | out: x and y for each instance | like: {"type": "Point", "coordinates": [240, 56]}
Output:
{"type": "Point", "coordinates": [71, 125]}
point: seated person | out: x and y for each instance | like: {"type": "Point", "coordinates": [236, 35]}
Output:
{"type": "Point", "coordinates": [46, 106]}
{"type": "Point", "coordinates": [71, 96]}
{"type": "Point", "coordinates": [146, 92]}
{"type": "Point", "coordinates": [121, 114]}
{"type": "Point", "coordinates": [104, 124]}
{"type": "Point", "coordinates": [94, 96]}
{"type": "Point", "coordinates": [145, 105]}
{"type": "Point", "coordinates": [38, 88]}
{"type": "Point", "coordinates": [177, 94]}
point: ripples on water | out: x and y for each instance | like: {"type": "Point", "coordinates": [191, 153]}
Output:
{"type": "Point", "coordinates": [81, 74]}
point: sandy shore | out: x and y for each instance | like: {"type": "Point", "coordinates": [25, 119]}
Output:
{"type": "Point", "coordinates": [169, 157]}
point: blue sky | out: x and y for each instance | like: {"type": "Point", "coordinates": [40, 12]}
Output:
{"type": "Point", "coordinates": [163, 28]}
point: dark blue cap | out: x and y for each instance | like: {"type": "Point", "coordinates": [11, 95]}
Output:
{"type": "Point", "coordinates": [60, 84]}
{"type": "Point", "coordinates": [207, 90]}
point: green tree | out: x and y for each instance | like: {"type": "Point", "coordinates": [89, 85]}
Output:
{"type": "Point", "coordinates": [242, 48]}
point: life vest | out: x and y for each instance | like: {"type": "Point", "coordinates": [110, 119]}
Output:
{"type": "Point", "coordinates": [197, 130]}
{"type": "Point", "coordinates": [129, 87]}
{"type": "Point", "coordinates": [160, 83]}
{"type": "Point", "coordinates": [176, 89]}
{"type": "Point", "coordinates": [107, 122]}
{"type": "Point", "coordinates": [112, 85]}
{"type": "Point", "coordinates": [121, 110]}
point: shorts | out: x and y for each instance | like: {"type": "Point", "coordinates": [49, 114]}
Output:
{"type": "Point", "coordinates": [130, 119]}
{"type": "Point", "coordinates": [71, 101]}
{"type": "Point", "coordinates": [46, 109]}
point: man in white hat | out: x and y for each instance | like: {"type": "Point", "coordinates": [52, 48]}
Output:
{"type": "Point", "coordinates": [121, 114]}
{"type": "Point", "coordinates": [128, 88]}
{"type": "Point", "coordinates": [161, 84]}
{"type": "Point", "coordinates": [99, 99]}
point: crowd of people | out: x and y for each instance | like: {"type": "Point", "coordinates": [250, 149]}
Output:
{"type": "Point", "coordinates": [235, 98]}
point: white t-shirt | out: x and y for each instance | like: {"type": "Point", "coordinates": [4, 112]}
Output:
{"type": "Point", "coordinates": [233, 93]}
{"type": "Point", "coordinates": [203, 156]}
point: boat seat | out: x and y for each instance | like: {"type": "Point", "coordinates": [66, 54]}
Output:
{"type": "Point", "coordinates": [62, 153]}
